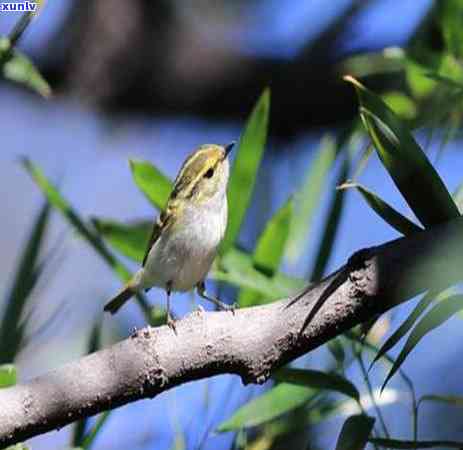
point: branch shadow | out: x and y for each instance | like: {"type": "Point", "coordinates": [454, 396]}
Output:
{"type": "Point", "coordinates": [339, 278]}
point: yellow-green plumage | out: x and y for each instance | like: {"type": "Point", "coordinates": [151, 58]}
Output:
{"type": "Point", "coordinates": [186, 236]}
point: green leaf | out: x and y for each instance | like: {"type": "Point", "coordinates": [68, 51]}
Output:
{"type": "Point", "coordinates": [308, 198]}
{"type": "Point", "coordinates": [433, 319]}
{"type": "Point", "coordinates": [384, 210]}
{"type": "Point", "coordinates": [151, 182]}
{"type": "Point", "coordinates": [355, 432]}
{"type": "Point", "coordinates": [63, 206]}
{"type": "Point", "coordinates": [19, 68]}
{"type": "Point", "coordinates": [272, 241]}
{"type": "Point", "coordinates": [317, 380]}
{"type": "Point", "coordinates": [331, 225]}
{"type": "Point", "coordinates": [408, 323]}
{"type": "Point", "coordinates": [269, 249]}
{"type": "Point", "coordinates": [420, 85]}
{"type": "Point", "coordinates": [237, 268]}
{"type": "Point", "coordinates": [450, 13]}
{"type": "Point", "coordinates": [268, 288]}
{"type": "Point", "coordinates": [128, 239]}
{"type": "Point", "coordinates": [89, 438]}
{"type": "Point", "coordinates": [20, 447]}
{"type": "Point", "coordinates": [8, 375]}
{"type": "Point", "coordinates": [449, 82]}
{"type": "Point", "coordinates": [21, 25]}
{"type": "Point", "coordinates": [405, 161]}
{"type": "Point", "coordinates": [25, 279]}
{"type": "Point", "coordinates": [272, 404]}
{"type": "Point", "coordinates": [395, 443]}
{"type": "Point", "coordinates": [401, 104]}
{"type": "Point", "coordinates": [91, 236]}
{"type": "Point", "coordinates": [243, 175]}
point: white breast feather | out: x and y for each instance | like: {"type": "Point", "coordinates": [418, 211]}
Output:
{"type": "Point", "coordinates": [185, 256]}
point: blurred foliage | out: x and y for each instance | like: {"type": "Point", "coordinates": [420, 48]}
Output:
{"type": "Point", "coordinates": [30, 269]}
{"type": "Point", "coordinates": [7, 375]}
{"type": "Point", "coordinates": [243, 173]}
{"type": "Point", "coordinates": [308, 198]}
{"type": "Point", "coordinates": [426, 95]}
{"type": "Point", "coordinates": [16, 66]}
{"type": "Point", "coordinates": [355, 432]}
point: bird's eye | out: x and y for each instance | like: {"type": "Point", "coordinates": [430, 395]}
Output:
{"type": "Point", "coordinates": [209, 173]}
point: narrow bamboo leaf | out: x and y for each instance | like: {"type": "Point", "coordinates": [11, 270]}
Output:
{"type": "Point", "coordinates": [25, 279]}
{"type": "Point", "coordinates": [247, 161]}
{"type": "Point", "coordinates": [331, 225]}
{"type": "Point", "coordinates": [324, 408]}
{"type": "Point", "coordinates": [448, 399]}
{"type": "Point", "coordinates": [21, 25]}
{"type": "Point", "coordinates": [362, 162]}
{"type": "Point", "coordinates": [384, 210]}
{"type": "Point", "coordinates": [405, 161]}
{"type": "Point", "coordinates": [408, 323]}
{"type": "Point", "coordinates": [405, 176]}
{"type": "Point", "coordinates": [272, 404]}
{"type": "Point", "coordinates": [355, 432]}
{"type": "Point", "coordinates": [18, 68]}
{"type": "Point", "coordinates": [268, 288]}
{"type": "Point", "coordinates": [317, 380]}
{"type": "Point", "coordinates": [128, 239]}
{"type": "Point", "coordinates": [395, 443]}
{"type": "Point", "coordinates": [433, 319]}
{"type": "Point", "coordinates": [308, 197]}
{"type": "Point", "coordinates": [269, 249]}
{"type": "Point", "coordinates": [89, 438]}
{"type": "Point", "coordinates": [8, 375]}
{"type": "Point", "coordinates": [236, 268]}
{"type": "Point", "coordinates": [152, 182]}
{"type": "Point", "coordinates": [62, 205]}
{"type": "Point", "coordinates": [272, 241]}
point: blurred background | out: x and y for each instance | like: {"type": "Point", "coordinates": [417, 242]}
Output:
{"type": "Point", "coordinates": [153, 80]}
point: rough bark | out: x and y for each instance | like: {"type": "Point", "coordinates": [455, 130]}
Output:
{"type": "Point", "coordinates": [250, 343]}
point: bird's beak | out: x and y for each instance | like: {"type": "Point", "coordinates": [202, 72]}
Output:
{"type": "Point", "coordinates": [229, 147]}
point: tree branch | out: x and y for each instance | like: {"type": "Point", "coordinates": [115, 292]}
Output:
{"type": "Point", "coordinates": [250, 343]}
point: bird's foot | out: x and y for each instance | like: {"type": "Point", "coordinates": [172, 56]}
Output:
{"type": "Point", "coordinates": [226, 307]}
{"type": "Point", "coordinates": [172, 323]}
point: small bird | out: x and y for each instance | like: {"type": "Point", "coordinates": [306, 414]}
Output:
{"type": "Point", "coordinates": [186, 236]}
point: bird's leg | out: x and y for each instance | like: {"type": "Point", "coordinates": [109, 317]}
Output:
{"type": "Point", "coordinates": [170, 319]}
{"type": "Point", "coordinates": [201, 287]}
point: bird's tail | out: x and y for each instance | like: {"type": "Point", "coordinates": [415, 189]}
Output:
{"type": "Point", "coordinates": [114, 304]}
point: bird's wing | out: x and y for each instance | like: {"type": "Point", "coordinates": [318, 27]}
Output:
{"type": "Point", "coordinates": [159, 226]}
